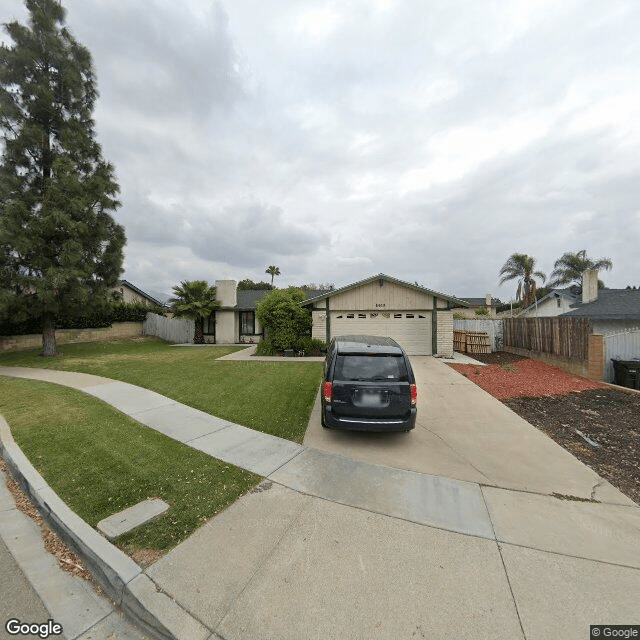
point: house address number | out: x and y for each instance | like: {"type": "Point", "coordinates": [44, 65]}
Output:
{"type": "Point", "coordinates": [380, 305]}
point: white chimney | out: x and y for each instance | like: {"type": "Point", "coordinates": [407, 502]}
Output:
{"type": "Point", "coordinates": [226, 293]}
{"type": "Point", "coordinates": [589, 285]}
{"type": "Point", "coordinates": [488, 300]}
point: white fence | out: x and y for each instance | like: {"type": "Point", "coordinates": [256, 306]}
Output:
{"type": "Point", "coordinates": [494, 329]}
{"type": "Point", "coordinates": [177, 330]}
{"type": "Point", "coordinates": [624, 345]}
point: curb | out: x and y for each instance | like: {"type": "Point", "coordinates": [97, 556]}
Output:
{"type": "Point", "coordinates": [122, 579]}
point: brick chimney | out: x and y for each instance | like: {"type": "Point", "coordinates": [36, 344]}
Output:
{"type": "Point", "coordinates": [589, 285]}
{"type": "Point", "coordinates": [226, 293]}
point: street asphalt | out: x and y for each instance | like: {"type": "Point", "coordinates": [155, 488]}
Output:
{"type": "Point", "coordinates": [474, 525]}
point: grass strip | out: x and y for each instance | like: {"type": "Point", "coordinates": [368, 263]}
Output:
{"type": "Point", "coordinates": [100, 461]}
{"type": "Point", "coordinates": [272, 397]}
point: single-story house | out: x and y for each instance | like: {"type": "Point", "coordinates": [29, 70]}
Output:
{"type": "Point", "coordinates": [555, 303]}
{"type": "Point", "coordinates": [130, 293]}
{"type": "Point", "coordinates": [419, 319]}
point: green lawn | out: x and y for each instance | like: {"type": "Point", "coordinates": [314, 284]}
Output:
{"type": "Point", "coordinates": [272, 397]}
{"type": "Point", "coordinates": [99, 461]}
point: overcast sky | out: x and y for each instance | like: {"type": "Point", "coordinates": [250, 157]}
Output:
{"type": "Point", "coordinates": [427, 140]}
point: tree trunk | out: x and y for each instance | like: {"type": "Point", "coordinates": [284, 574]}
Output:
{"type": "Point", "coordinates": [49, 335]}
{"type": "Point", "coordinates": [198, 338]}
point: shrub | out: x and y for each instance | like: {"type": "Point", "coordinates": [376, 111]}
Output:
{"type": "Point", "coordinates": [265, 348]}
{"type": "Point", "coordinates": [311, 347]}
{"type": "Point", "coordinates": [284, 320]}
{"type": "Point", "coordinates": [482, 311]}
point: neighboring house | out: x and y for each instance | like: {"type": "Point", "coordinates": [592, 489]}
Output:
{"type": "Point", "coordinates": [614, 314]}
{"type": "Point", "coordinates": [130, 293]}
{"type": "Point", "coordinates": [419, 319]}
{"type": "Point", "coordinates": [555, 303]}
{"type": "Point", "coordinates": [474, 304]}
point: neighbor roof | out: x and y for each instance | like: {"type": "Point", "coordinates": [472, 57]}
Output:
{"type": "Point", "coordinates": [612, 304]}
{"type": "Point", "coordinates": [382, 276]}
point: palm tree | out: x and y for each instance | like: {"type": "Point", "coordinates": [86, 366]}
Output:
{"type": "Point", "coordinates": [521, 266]}
{"type": "Point", "coordinates": [194, 299]}
{"type": "Point", "coordinates": [272, 270]}
{"type": "Point", "coordinates": [569, 268]}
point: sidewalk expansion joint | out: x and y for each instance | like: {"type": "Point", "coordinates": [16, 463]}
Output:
{"type": "Point", "coordinates": [513, 595]}
{"type": "Point", "coordinates": [568, 555]}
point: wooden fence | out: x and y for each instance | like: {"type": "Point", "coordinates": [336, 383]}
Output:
{"type": "Point", "coordinates": [565, 337]}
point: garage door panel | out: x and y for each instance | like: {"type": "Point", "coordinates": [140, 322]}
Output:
{"type": "Point", "coordinates": [411, 329]}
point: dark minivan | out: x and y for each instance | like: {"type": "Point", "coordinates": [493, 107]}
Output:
{"type": "Point", "coordinates": [368, 385]}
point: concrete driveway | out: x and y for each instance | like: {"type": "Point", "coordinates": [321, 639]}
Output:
{"type": "Point", "coordinates": [464, 433]}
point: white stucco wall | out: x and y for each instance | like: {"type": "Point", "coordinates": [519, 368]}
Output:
{"type": "Point", "coordinates": [226, 327]}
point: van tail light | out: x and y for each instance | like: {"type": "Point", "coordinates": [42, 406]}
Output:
{"type": "Point", "coordinates": [414, 395]}
{"type": "Point", "coordinates": [326, 391]}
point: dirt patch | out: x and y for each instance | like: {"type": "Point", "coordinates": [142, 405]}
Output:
{"type": "Point", "coordinates": [561, 405]}
{"type": "Point", "coordinates": [524, 377]}
{"type": "Point", "coordinates": [609, 418]}
{"type": "Point", "coordinates": [498, 357]}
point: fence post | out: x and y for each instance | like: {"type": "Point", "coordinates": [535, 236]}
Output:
{"type": "Point", "coordinates": [595, 367]}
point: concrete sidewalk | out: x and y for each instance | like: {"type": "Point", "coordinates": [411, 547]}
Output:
{"type": "Point", "coordinates": [448, 531]}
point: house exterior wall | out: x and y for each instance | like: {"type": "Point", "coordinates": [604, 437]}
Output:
{"type": "Point", "coordinates": [548, 308]}
{"type": "Point", "coordinates": [373, 297]}
{"type": "Point", "coordinates": [227, 326]}
{"type": "Point", "coordinates": [319, 327]}
{"type": "Point", "coordinates": [130, 296]}
{"type": "Point", "coordinates": [445, 334]}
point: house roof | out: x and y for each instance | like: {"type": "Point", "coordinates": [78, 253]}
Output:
{"type": "Point", "coordinates": [142, 293]}
{"type": "Point", "coordinates": [381, 276]}
{"type": "Point", "coordinates": [247, 299]}
{"type": "Point", "coordinates": [612, 304]}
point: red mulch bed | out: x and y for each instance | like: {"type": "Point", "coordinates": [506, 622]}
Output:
{"type": "Point", "coordinates": [524, 378]}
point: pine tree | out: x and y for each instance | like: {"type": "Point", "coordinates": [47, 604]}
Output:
{"type": "Point", "coordinates": [60, 248]}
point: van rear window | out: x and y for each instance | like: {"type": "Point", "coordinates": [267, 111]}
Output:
{"type": "Point", "coordinates": [370, 368]}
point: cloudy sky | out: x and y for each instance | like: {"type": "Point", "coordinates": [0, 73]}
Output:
{"type": "Point", "coordinates": [340, 139]}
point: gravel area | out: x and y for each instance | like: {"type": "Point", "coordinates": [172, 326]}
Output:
{"type": "Point", "coordinates": [599, 425]}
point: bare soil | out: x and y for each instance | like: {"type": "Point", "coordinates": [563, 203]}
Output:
{"type": "Point", "coordinates": [561, 405]}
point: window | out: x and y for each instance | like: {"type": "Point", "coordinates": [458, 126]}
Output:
{"type": "Point", "coordinates": [373, 315]}
{"type": "Point", "coordinates": [370, 368]}
{"type": "Point", "coordinates": [397, 315]}
{"type": "Point", "coordinates": [350, 315]}
{"type": "Point", "coordinates": [210, 325]}
{"type": "Point", "coordinates": [362, 315]}
{"type": "Point", "coordinates": [409, 315]}
{"type": "Point", "coordinates": [247, 323]}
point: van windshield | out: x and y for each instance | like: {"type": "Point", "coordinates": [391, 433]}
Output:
{"type": "Point", "coordinates": [370, 368]}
